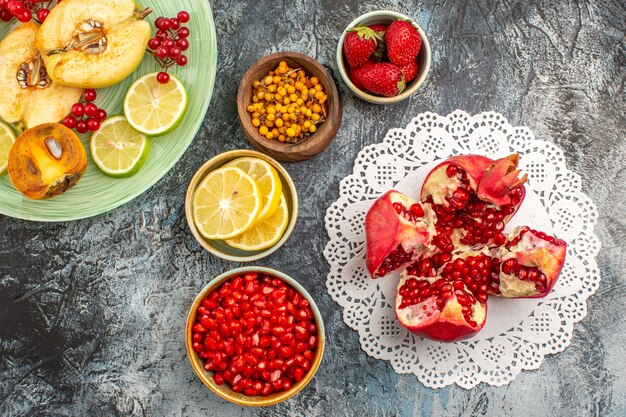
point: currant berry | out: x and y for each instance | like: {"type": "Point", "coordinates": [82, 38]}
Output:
{"type": "Point", "coordinates": [181, 60]}
{"type": "Point", "coordinates": [101, 115]}
{"type": "Point", "coordinates": [163, 77]}
{"type": "Point", "coordinates": [183, 16]}
{"type": "Point", "coordinates": [175, 52]}
{"type": "Point", "coordinates": [5, 15]}
{"type": "Point", "coordinates": [42, 14]}
{"type": "Point", "coordinates": [169, 43]}
{"type": "Point", "coordinates": [93, 124]}
{"type": "Point", "coordinates": [24, 16]}
{"type": "Point", "coordinates": [78, 110]}
{"type": "Point", "coordinates": [165, 24]}
{"type": "Point", "coordinates": [183, 44]}
{"type": "Point", "coordinates": [90, 94]}
{"type": "Point", "coordinates": [154, 43]}
{"type": "Point", "coordinates": [174, 24]}
{"type": "Point", "coordinates": [69, 122]}
{"type": "Point", "coordinates": [91, 110]}
{"type": "Point", "coordinates": [183, 32]}
{"type": "Point", "coordinates": [161, 52]}
{"type": "Point", "coordinates": [81, 127]}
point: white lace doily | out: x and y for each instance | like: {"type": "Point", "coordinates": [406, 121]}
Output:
{"type": "Point", "coordinates": [518, 333]}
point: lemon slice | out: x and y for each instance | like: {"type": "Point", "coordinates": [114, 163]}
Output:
{"type": "Point", "coordinates": [7, 137]}
{"type": "Point", "coordinates": [226, 203]}
{"type": "Point", "coordinates": [266, 176]}
{"type": "Point", "coordinates": [153, 108]}
{"type": "Point", "coordinates": [264, 234]}
{"type": "Point", "coordinates": [117, 149]}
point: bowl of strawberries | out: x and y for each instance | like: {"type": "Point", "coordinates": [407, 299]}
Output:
{"type": "Point", "coordinates": [383, 56]}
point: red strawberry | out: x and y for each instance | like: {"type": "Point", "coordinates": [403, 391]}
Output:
{"type": "Point", "coordinates": [403, 42]}
{"type": "Point", "coordinates": [380, 51]}
{"type": "Point", "coordinates": [410, 71]}
{"type": "Point", "coordinates": [359, 44]}
{"type": "Point", "coordinates": [384, 79]}
{"type": "Point", "coordinates": [356, 75]}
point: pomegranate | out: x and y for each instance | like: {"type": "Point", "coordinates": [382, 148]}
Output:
{"type": "Point", "coordinates": [454, 247]}
{"type": "Point", "coordinates": [398, 229]}
{"type": "Point", "coordinates": [528, 265]}
{"type": "Point", "coordinates": [448, 303]}
{"type": "Point", "coordinates": [256, 333]}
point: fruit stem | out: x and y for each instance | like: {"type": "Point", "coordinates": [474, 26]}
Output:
{"type": "Point", "coordinates": [143, 13]}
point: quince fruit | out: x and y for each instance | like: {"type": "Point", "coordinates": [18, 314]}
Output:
{"type": "Point", "coordinates": [29, 97]}
{"type": "Point", "coordinates": [93, 43]}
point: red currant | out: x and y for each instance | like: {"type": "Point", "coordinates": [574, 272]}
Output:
{"type": "Point", "coordinates": [101, 115]}
{"type": "Point", "coordinates": [175, 52]}
{"type": "Point", "coordinates": [42, 14]}
{"type": "Point", "coordinates": [163, 77]}
{"type": "Point", "coordinates": [78, 110]}
{"type": "Point", "coordinates": [161, 52]}
{"type": "Point", "coordinates": [174, 24]}
{"type": "Point", "coordinates": [69, 122]}
{"type": "Point", "coordinates": [91, 110]}
{"type": "Point", "coordinates": [90, 94]}
{"type": "Point", "coordinates": [168, 43]}
{"type": "Point", "coordinates": [181, 60]}
{"type": "Point", "coordinates": [183, 16]}
{"type": "Point", "coordinates": [93, 124]}
{"type": "Point", "coordinates": [183, 32]}
{"type": "Point", "coordinates": [183, 44]}
{"type": "Point", "coordinates": [165, 24]}
{"type": "Point", "coordinates": [5, 15]}
{"type": "Point", "coordinates": [81, 127]}
{"type": "Point", "coordinates": [154, 43]}
{"type": "Point", "coordinates": [24, 16]}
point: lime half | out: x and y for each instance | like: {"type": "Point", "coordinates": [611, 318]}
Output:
{"type": "Point", "coordinates": [117, 149]}
{"type": "Point", "coordinates": [153, 108]}
{"type": "Point", "coordinates": [7, 137]}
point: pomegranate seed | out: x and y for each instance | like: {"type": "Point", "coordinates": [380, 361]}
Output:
{"type": "Point", "coordinates": [250, 340]}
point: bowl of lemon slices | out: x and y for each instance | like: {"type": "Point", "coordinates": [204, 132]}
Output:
{"type": "Point", "coordinates": [241, 205]}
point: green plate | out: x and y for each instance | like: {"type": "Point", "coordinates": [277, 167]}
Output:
{"type": "Point", "coordinates": [97, 193]}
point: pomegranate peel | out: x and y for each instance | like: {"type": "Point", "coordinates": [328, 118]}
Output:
{"type": "Point", "coordinates": [500, 178]}
{"type": "Point", "coordinates": [394, 233]}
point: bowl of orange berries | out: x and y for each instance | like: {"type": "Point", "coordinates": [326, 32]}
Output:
{"type": "Point", "coordinates": [289, 106]}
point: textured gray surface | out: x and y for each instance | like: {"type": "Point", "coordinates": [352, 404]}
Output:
{"type": "Point", "coordinates": [92, 312]}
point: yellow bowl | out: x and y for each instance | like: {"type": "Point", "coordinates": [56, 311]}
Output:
{"type": "Point", "coordinates": [223, 390]}
{"type": "Point", "coordinates": [220, 248]}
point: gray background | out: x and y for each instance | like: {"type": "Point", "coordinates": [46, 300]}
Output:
{"type": "Point", "coordinates": [92, 312]}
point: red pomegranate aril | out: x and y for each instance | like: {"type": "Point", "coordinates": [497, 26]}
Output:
{"type": "Point", "coordinates": [246, 331]}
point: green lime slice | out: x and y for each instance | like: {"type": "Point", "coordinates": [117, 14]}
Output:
{"type": "Point", "coordinates": [153, 108]}
{"type": "Point", "coordinates": [7, 137]}
{"type": "Point", "coordinates": [117, 149]}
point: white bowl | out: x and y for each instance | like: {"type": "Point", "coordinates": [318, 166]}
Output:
{"type": "Point", "coordinates": [423, 58]}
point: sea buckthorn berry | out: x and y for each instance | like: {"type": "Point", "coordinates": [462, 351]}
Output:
{"type": "Point", "coordinates": [287, 104]}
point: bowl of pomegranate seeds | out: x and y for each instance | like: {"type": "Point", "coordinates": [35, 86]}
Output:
{"type": "Point", "coordinates": [383, 56]}
{"type": "Point", "coordinates": [254, 336]}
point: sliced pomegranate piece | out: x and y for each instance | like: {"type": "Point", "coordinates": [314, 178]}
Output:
{"type": "Point", "coordinates": [448, 305]}
{"type": "Point", "coordinates": [529, 265]}
{"type": "Point", "coordinates": [397, 231]}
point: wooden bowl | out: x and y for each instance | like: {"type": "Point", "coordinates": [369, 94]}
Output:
{"type": "Point", "coordinates": [423, 58]}
{"type": "Point", "coordinates": [326, 131]}
{"type": "Point", "coordinates": [223, 390]}
{"type": "Point", "coordinates": [219, 247]}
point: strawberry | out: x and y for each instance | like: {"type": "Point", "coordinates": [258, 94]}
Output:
{"type": "Point", "coordinates": [356, 75]}
{"type": "Point", "coordinates": [359, 44]}
{"type": "Point", "coordinates": [384, 79]}
{"type": "Point", "coordinates": [381, 49]}
{"type": "Point", "coordinates": [403, 42]}
{"type": "Point", "coordinates": [410, 71]}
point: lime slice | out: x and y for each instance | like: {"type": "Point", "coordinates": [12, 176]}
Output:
{"type": "Point", "coordinates": [7, 137]}
{"type": "Point", "coordinates": [266, 177]}
{"type": "Point", "coordinates": [153, 108]}
{"type": "Point", "coordinates": [264, 234]}
{"type": "Point", "coordinates": [226, 203]}
{"type": "Point", "coordinates": [117, 149]}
